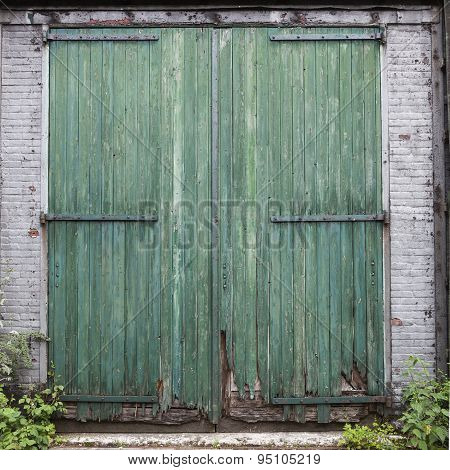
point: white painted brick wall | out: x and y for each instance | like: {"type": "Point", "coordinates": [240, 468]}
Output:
{"type": "Point", "coordinates": [408, 59]}
{"type": "Point", "coordinates": [20, 180]}
{"type": "Point", "coordinates": [411, 182]}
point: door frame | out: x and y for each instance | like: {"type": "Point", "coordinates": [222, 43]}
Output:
{"type": "Point", "coordinates": [45, 129]}
{"type": "Point", "coordinates": [215, 349]}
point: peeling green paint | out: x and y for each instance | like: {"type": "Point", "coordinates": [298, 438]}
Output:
{"type": "Point", "coordinates": [298, 133]}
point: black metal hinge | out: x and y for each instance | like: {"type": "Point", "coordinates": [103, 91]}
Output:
{"type": "Point", "coordinates": [277, 219]}
{"type": "Point", "coordinates": [326, 37]}
{"type": "Point", "coordinates": [96, 218]}
{"type": "Point", "coordinates": [340, 400]}
{"type": "Point", "coordinates": [109, 399]}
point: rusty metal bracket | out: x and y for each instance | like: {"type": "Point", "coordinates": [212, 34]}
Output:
{"type": "Point", "coordinates": [383, 37]}
{"type": "Point", "coordinates": [102, 37]}
{"type": "Point", "coordinates": [277, 219]}
{"type": "Point", "coordinates": [326, 37]}
{"type": "Point", "coordinates": [341, 400]}
{"type": "Point", "coordinates": [96, 218]}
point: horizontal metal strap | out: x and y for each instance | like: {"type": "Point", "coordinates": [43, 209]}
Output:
{"type": "Point", "coordinates": [327, 218]}
{"type": "Point", "coordinates": [341, 400]}
{"type": "Point", "coordinates": [110, 398]}
{"type": "Point", "coordinates": [325, 37]}
{"type": "Point", "coordinates": [102, 37]}
{"type": "Point", "coordinates": [97, 218]}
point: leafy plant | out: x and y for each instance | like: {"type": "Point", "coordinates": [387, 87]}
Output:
{"type": "Point", "coordinates": [26, 423]}
{"type": "Point", "coordinates": [14, 347]}
{"type": "Point", "coordinates": [425, 419]}
{"type": "Point", "coordinates": [378, 436]}
{"type": "Point", "coordinates": [15, 351]}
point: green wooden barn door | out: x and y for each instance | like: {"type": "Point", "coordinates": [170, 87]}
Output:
{"type": "Point", "coordinates": [129, 261]}
{"type": "Point", "coordinates": [301, 214]}
{"type": "Point", "coordinates": [160, 142]}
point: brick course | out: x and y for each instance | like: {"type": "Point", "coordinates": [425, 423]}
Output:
{"type": "Point", "coordinates": [20, 180]}
{"type": "Point", "coordinates": [408, 60]}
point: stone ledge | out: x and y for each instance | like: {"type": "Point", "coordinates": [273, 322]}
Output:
{"type": "Point", "coordinates": [282, 440]}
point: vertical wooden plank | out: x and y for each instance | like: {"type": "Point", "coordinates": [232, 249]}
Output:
{"type": "Point", "coordinates": [323, 229]}
{"type": "Point", "coordinates": [215, 406]}
{"type": "Point", "coordinates": [250, 211]}
{"type": "Point", "coordinates": [118, 321]}
{"type": "Point", "coordinates": [285, 194]}
{"type": "Point", "coordinates": [95, 162]}
{"type": "Point", "coordinates": [71, 206]}
{"type": "Point", "coordinates": [107, 99]}
{"type": "Point", "coordinates": [130, 180]}
{"type": "Point", "coordinates": [323, 314]}
{"type": "Point", "coordinates": [155, 168]}
{"type": "Point", "coordinates": [95, 229]}
{"type": "Point", "coordinates": [371, 292]}
{"type": "Point", "coordinates": [121, 191]}
{"type": "Point", "coordinates": [262, 175]}
{"type": "Point", "coordinates": [298, 255]}
{"type": "Point", "coordinates": [166, 220]}
{"type": "Point", "coordinates": [52, 173]}
{"type": "Point", "coordinates": [119, 230]}
{"type": "Point", "coordinates": [204, 231]}
{"type": "Point", "coordinates": [178, 229]}
{"type": "Point", "coordinates": [143, 206]}
{"type": "Point", "coordinates": [83, 268]}
{"type": "Point", "coordinates": [370, 206]}
{"type": "Point", "coordinates": [51, 299]}
{"type": "Point", "coordinates": [334, 165]}
{"type": "Point", "coordinates": [107, 333]}
{"type": "Point", "coordinates": [239, 181]}
{"type": "Point", "coordinates": [311, 229]}
{"type": "Point", "coordinates": [274, 195]}
{"type": "Point", "coordinates": [379, 316]}
{"type": "Point", "coordinates": [358, 206]}
{"type": "Point", "coordinates": [226, 186]}
{"type": "Point", "coordinates": [345, 206]}
{"type": "Point", "coordinates": [190, 267]}
{"type": "Point", "coordinates": [108, 124]}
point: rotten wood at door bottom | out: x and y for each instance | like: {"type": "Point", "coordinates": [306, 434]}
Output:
{"type": "Point", "coordinates": [248, 411]}
{"type": "Point", "coordinates": [133, 413]}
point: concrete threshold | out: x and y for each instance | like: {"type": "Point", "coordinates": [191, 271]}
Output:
{"type": "Point", "coordinates": [280, 440]}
